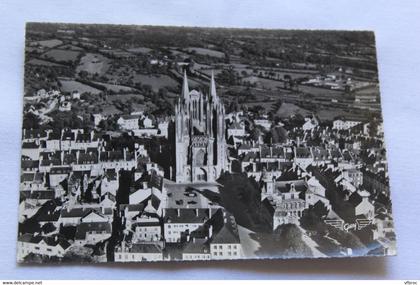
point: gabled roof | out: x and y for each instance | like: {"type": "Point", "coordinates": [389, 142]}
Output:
{"type": "Point", "coordinates": [109, 196]}
{"type": "Point", "coordinates": [32, 177]}
{"type": "Point", "coordinates": [78, 212]}
{"type": "Point", "coordinates": [286, 186]}
{"type": "Point", "coordinates": [29, 145]}
{"type": "Point", "coordinates": [83, 228]}
{"type": "Point", "coordinates": [186, 216]}
{"type": "Point", "coordinates": [51, 240]}
{"type": "Point", "coordinates": [225, 228]}
{"type": "Point", "coordinates": [197, 245]}
{"type": "Point", "coordinates": [38, 195]}
{"type": "Point", "coordinates": [145, 248]}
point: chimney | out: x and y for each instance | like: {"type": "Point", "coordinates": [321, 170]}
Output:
{"type": "Point", "coordinates": [210, 231]}
{"type": "Point", "coordinates": [125, 154]}
{"type": "Point", "coordinates": [77, 156]}
{"type": "Point", "coordinates": [178, 211]}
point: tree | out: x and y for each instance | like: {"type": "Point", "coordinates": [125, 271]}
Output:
{"type": "Point", "coordinates": [31, 121]}
{"type": "Point", "coordinates": [241, 196]}
{"type": "Point", "coordinates": [285, 241]}
{"type": "Point", "coordinates": [78, 254]}
{"type": "Point", "coordinates": [88, 197]}
{"type": "Point", "coordinates": [48, 228]}
{"type": "Point", "coordinates": [313, 217]}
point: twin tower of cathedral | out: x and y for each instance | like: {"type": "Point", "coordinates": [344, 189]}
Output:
{"type": "Point", "coordinates": [200, 144]}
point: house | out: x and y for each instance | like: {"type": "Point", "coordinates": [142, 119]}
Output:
{"type": "Point", "coordinates": [53, 142]}
{"type": "Point", "coordinates": [97, 118]}
{"type": "Point", "coordinates": [37, 198]}
{"type": "Point", "coordinates": [58, 174]}
{"type": "Point", "coordinates": [128, 212]}
{"type": "Point", "coordinates": [163, 129]}
{"type": "Point", "coordinates": [92, 232]}
{"type": "Point", "coordinates": [93, 216]}
{"type": "Point", "coordinates": [33, 135]}
{"type": "Point", "coordinates": [354, 176]}
{"type": "Point", "coordinates": [85, 140]}
{"type": "Point", "coordinates": [107, 200]}
{"type": "Point", "coordinates": [310, 123]}
{"type": "Point", "coordinates": [289, 201]}
{"type": "Point", "coordinates": [344, 124]}
{"type": "Point", "coordinates": [75, 95]}
{"type": "Point", "coordinates": [197, 249]}
{"type": "Point", "coordinates": [146, 122]}
{"type": "Point", "coordinates": [146, 132]}
{"type": "Point", "coordinates": [29, 165]}
{"type": "Point", "coordinates": [138, 252]}
{"type": "Point", "coordinates": [34, 181]}
{"type": "Point", "coordinates": [75, 215]}
{"type": "Point", "coordinates": [361, 206]}
{"type": "Point", "coordinates": [31, 150]}
{"type": "Point", "coordinates": [236, 129]}
{"type": "Point", "coordinates": [182, 221]}
{"type": "Point", "coordinates": [146, 228]}
{"type": "Point", "coordinates": [45, 246]}
{"type": "Point", "coordinates": [265, 123]}
{"type": "Point", "coordinates": [118, 159]}
{"type": "Point", "coordinates": [65, 106]}
{"type": "Point", "coordinates": [109, 182]}
{"type": "Point", "coordinates": [224, 241]}
{"type": "Point", "coordinates": [129, 122]}
{"type": "Point", "coordinates": [303, 156]}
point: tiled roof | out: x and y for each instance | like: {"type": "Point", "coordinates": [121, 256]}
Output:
{"type": "Point", "coordinates": [83, 228]}
{"type": "Point", "coordinates": [186, 215]}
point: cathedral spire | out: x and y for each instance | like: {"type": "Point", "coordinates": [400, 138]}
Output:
{"type": "Point", "coordinates": [185, 90]}
{"type": "Point", "coordinates": [212, 87]}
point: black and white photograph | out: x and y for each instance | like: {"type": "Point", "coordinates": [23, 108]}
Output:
{"type": "Point", "coordinates": [169, 143]}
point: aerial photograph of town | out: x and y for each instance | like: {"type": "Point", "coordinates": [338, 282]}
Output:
{"type": "Point", "coordinates": [149, 143]}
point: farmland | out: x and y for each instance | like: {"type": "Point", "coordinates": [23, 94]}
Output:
{"type": "Point", "coordinates": [59, 55]}
{"type": "Point", "coordinates": [156, 81]}
{"type": "Point", "coordinates": [93, 64]}
{"type": "Point", "coordinates": [36, 61]}
{"type": "Point", "coordinates": [47, 43]}
{"type": "Point", "coordinates": [205, 51]}
{"type": "Point", "coordinates": [69, 85]}
{"type": "Point", "coordinates": [146, 71]}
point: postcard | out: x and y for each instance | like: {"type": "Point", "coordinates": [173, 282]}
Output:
{"type": "Point", "coordinates": [150, 143]}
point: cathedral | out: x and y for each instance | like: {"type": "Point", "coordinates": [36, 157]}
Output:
{"type": "Point", "coordinates": [200, 142]}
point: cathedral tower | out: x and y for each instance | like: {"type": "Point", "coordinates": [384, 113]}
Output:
{"type": "Point", "coordinates": [200, 144]}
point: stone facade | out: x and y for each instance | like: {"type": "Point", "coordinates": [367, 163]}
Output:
{"type": "Point", "coordinates": [199, 135]}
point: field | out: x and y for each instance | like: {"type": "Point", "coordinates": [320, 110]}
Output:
{"type": "Point", "coordinates": [322, 92]}
{"type": "Point", "coordinates": [264, 83]}
{"type": "Point", "coordinates": [93, 63]}
{"type": "Point", "coordinates": [60, 55]}
{"type": "Point", "coordinates": [287, 109]}
{"type": "Point", "coordinates": [68, 85]}
{"type": "Point", "coordinates": [47, 43]}
{"type": "Point", "coordinates": [205, 51]}
{"type": "Point", "coordinates": [155, 81]}
{"type": "Point", "coordinates": [139, 50]}
{"type": "Point", "coordinates": [70, 47]}
{"type": "Point", "coordinates": [114, 87]}
{"type": "Point", "coordinates": [37, 61]}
